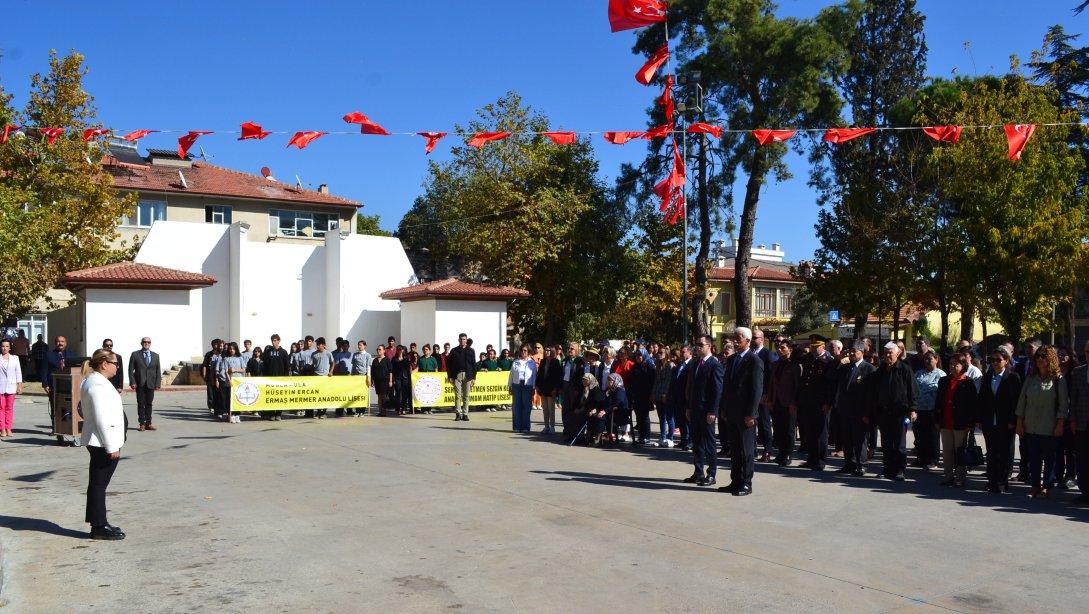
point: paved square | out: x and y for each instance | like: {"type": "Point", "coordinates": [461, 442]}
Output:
{"type": "Point", "coordinates": [425, 514]}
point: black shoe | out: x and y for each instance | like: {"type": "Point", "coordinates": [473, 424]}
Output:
{"type": "Point", "coordinates": [783, 462]}
{"type": "Point", "coordinates": [731, 488]}
{"type": "Point", "coordinates": [817, 467]}
{"type": "Point", "coordinates": [743, 491]}
{"type": "Point", "coordinates": [945, 483]}
{"type": "Point", "coordinates": [685, 448]}
{"type": "Point", "coordinates": [844, 470]}
{"type": "Point", "coordinates": [708, 481]}
{"type": "Point", "coordinates": [858, 473]}
{"type": "Point", "coordinates": [808, 465]}
{"type": "Point", "coordinates": [695, 478]}
{"type": "Point", "coordinates": [1082, 499]}
{"type": "Point", "coordinates": [107, 533]}
{"type": "Point", "coordinates": [465, 417]}
{"type": "Point", "coordinates": [994, 489]}
{"type": "Point", "coordinates": [899, 477]}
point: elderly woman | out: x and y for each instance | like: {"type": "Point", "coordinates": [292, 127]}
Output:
{"type": "Point", "coordinates": [996, 415]}
{"type": "Point", "coordinates": [1041, 412]}
{"type": "Point", "coordinates": [955, 411]}
{"type": "Point", "coordinates": [103, 435]}
{"type": "Point", "coordinates": [590, 405]}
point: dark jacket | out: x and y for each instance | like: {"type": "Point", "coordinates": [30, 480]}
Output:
{"type": "Point", "coordinates": [641, 385]}
{"type": "Point", "coordinates": [276, 361]}
{"type": "Point", "coordinates": [616, 400]}
{"type": "Point", "coordinates": [51, 365]}
{"type": "Point", "coordinates": [706, 389]}
{"type": "Point", "coordinates": [402, 369]}
{"type": "Point", "coordinates": [255, 366]}
{"type": "Point", "coordinates": [142, 374]}
{"type": "Point", "coordinates": [765, 357]}
{"type": "Point", "coordinates": [893, 391]}
{"type": "Point", "coordinates": [549, 377]}
{"type": "Point", "coordinates": [852, 400]}
{"type": "Point", "coordinates": [461, 359]}
{"type": "Point", "coordinates": [743, 386]}
{"type": "Point", "coordinates": [118, 379]}
{"type": "Point", "coordinates": [964, 403]}
{"type": "Point", "coordinates": [814, 389]}
{"type": "Point", "coordinates": [786, 377]}
{"type": "Point", "coordinates": [380, 372]}
{"type": "Point", "coordinates": [578, 369]}
{"type": "Point", "coordinates": [997, 410]}
{"type": "Point", "coordinates": [594, 399]}
{"type": "Point", "coordinates": [678, 386]}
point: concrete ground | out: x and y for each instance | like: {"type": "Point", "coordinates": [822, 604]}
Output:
{"type": "Point", "coordinates": [426, 514]}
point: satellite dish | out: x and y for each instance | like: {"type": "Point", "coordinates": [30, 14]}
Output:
{"type": "Point", "coordinates": [184, 183]}
{"type": "Point", "coordinates": [265, 172]}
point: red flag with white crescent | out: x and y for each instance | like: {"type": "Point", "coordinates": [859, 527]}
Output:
{"type": "Point", "coordinates": [8, 129]}
{"type": "Point", "coordinates": [136, 135]}
{"type": "Point", "coordinates": [1016, 137]}
{"type": "Point", "coordinates": [432, 138]}
{"type": "Point", "coordinates": [701, 127]}
{"type": "Point", "coordinates": [948, 134]}
{"type": "Point", "coordinates": [772, 136]}
{"type": "Point", "coordinates": [251, 130]}
{"type": "Point", "coordinates": [646, 74]}
{"type": "Point", "coordinates": [51, 134]}
{"type": "Point", "coordinates": [185, 142]}
{"type": "Point", "coordinates": [561, 138]}
{"type": "Point", "coordinates": [842, 135]}
{"type": "Point", "coordinates": [628, 14]}
{"type": "Point", "coordinates": [91, 133]}
{"type": "Point", "coordinates": [480, 138]}
{"type": "Point", "coordinates": [619, 138]}
{"type": "Point", "coordinates": [366, 126]}
{"type": "Point", "coordinates": [303, 138]}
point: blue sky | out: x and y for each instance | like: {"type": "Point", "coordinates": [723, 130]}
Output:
{"type": "Point", "coordinates": [420, 65]}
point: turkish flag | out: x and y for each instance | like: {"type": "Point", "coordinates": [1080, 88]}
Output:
{"type": "Point", "coordinates": [619, 138]}
{"type": "Point", "coordinates": [366, 126]}
{"type": "Point", "coordinates": [667, 188]}
{"type": "Point", "coordinates": [302, 139]}
{"type": "Point", "coordinates": [949, 134]}
{"type": "Point", "coordinates": [646, 73]}
{"type": "Point", "coordinates": [251, 130]}
{"type": "Point", "coordinates": [480, 138]}
{"type": "Point", "coordinates": [628, 14]}
{"type": "Point", "coordinates": [561, 138]}
{"type": "Point", "coordinates": [136, 135]}
{"type": "Point", "coordinates": [1016, 136]}
{"type": "Point", "coordinates": [773, 136]}
{"type": "Point", "coordinates": [185, 142]}
{"type": "Point", "coordinates": [842, 135]}
{"type": "Point", "coordinates": [7, 131]}
{"type": "Point", "coordinates": [51, 134]}
{"type": "Point", "coordinates": [432, 138]}
{"type": "Point", "coordinates": [91, 133]}
{"type": "Point", "coordinates": [700, 127]}
{"type": "Point", "coordinates": [666, 99]}
{"type": "Point", "coordinates": [658, 132]}
{"type": "Point", "coordinates": [678, 210]}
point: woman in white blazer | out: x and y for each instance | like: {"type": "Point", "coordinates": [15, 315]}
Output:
{"type": "Point", "coordinates": [103, 435]}
{"type": "Point", "coordinates": [11, 384]}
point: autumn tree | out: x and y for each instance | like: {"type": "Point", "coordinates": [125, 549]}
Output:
{"type": "Point", "coordinates": [58, 208]}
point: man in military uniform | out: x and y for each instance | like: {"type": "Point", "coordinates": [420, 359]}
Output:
{"type": "Point", "coordinates": [814, 404]}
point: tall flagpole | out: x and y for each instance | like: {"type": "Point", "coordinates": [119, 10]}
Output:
{"type": "Point", "coordinates": [684, 195]}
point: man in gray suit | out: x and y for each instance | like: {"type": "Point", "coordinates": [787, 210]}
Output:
{"type": "Point", "coordinates": [145, 377]}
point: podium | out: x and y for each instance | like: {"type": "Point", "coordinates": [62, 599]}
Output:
{"type": "Point", "coordinates": [67, 421]}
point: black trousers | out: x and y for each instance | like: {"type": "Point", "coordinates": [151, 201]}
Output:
{"type": "Point", "coordinates": [742, 452]}
{"type": "Point", "coordinates": [567, 412]}
{"type": "Point", "coordinates": [223, 403]}
{"type": "Point", "coordinates": [893, 444]}
{"type": "Point", "coordinates": [1083, 460]}
{"type": "Point", "coordinates": [927, 438]}
{"type": "Point", "coordinates": [404, 395]}
{"type": "Point", "coordinates": [144, 398]}
{"type": "Point", "coordinates": [642, 419]}
{"type": "Point", "coordinates": [834, 430]}
{"type": "Point", "coordinates": [852, 436]}
{"type": "Point", "coordinates": [704, 445]}
{"type": "Point", "coordinates": [98, 478]}
{"type": "Point", "coordinates": [999, 440]}
{"type": "Point", "coordinates": [784, 425]}
{"type": "Point", "coordinates": [815, 445]}
{"type": "Point", "coordinates": [213, 395]}
{"type": "Point", "coordinates": [765, 434]}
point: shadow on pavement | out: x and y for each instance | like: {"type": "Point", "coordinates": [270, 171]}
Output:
{"type": "Point", "coordinates": [33, 477]}
{"type": "Point", "coordinates": [18, 523]}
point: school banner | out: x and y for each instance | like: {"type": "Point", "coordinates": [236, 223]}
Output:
{"type": "Point", "coordinates": [299, 392]}
{"type": "Point", "coordinates": [434, 390]}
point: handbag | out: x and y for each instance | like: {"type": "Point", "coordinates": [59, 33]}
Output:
{"type": "Point", "coordinates": [970, 454]}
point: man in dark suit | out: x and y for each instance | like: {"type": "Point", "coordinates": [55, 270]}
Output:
{"type": "Point", "coordinates": [764, 434]}
{"type": "Point", "coordinates": [571, 391]}
{"type": "Point", "coordinates": [145, 377]}
{"type": "Point", "coordinates": [852, 403]}
{"type": "Point", "coordinates": [892, 394]}
{"type": "Point", "coordinates": [678, 396]}
{"type": "Point", "coordinates": [57, 360]}
{"type": "Point", "coordinates": [814, 405]}
{"type": "Point", "coordinates": [742, 392]}
{"type": "Point", "coordinates": [702, 411]}
{"type": "Point", "coordinates": [118, 379]}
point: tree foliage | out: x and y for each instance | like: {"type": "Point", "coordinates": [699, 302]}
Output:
{"type": "Point", "coordinates": [370, 225]}
{"type": "Point", "coordinates": [57, 207]}
{"type": "Point", "coordinates": [528, 213]}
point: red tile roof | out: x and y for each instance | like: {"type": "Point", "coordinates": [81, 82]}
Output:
{"type": "Point", "coordinates": [135, 275]}
{"type": "Point", "coordinates": [204, 178]}
{"type": "Point", "coordinates": [454, 289]}
{"type": "Point", "coordinates": [758, 273]}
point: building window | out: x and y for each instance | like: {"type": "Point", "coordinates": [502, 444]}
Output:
{"type": "Point", "coordinates": [724, 303]}
{"type": "Point", "coordinates": [786, 298]}
{"type": "Point", "coordinates": [217, 214]}
{"type": "Point", "coordinates": [300, 223]}
{"type": "Point", "coordinates": [765, 303]}
{"type": "Point", "coordinates": [147, 213]}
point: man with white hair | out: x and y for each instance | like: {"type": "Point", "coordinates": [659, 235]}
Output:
{"type": "Point", "coordinates": [894, 396]}
{"type": "Point", "coordinates": [743, 387]}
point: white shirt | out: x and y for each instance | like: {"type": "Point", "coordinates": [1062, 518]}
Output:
{"type": "Point", "coordinates": [11, 374]}
{"type": "Point", "coordinates": [973, 373]}
{"type": "Point", "coordinates": [103, 416]}
{"type": "Point", "coordinates": [523, 371]}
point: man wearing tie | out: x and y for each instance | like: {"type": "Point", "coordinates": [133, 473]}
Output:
{"type": "Point", "coordinates": [58, 360]}
{"type": "Point", "coordinates": [854, 410]}
{"type": "Point", "coordinates": [742, 391]}
{"type": "Point", "coordinates": [145, 377]}
{"type": "Point", "coordinates": [702, 411]}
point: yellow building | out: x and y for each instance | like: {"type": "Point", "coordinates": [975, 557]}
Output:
{"type": "Point", "coordinates": [771, 284]}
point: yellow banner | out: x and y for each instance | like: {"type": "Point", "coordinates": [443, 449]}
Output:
{"type": "Point", "coordinates": [434, 390]}
{"type": "Point", "coordinates": [299, 392]}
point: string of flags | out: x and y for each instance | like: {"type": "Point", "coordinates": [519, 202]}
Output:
{"type": "Point", "coordinates": [623, 15]}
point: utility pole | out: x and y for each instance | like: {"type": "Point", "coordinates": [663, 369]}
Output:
{"type": "Point", "coordinates": [693, 102]}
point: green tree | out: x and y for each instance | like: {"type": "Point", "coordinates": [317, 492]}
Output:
{"type": "Point", "coordinates": [762, 70]}
{"type": "Point", "coordinates": [808, 313]}
{"type": "Point", "coordinates": [869, 231]}
{"type": "Point", "coordinates": [56, 205]}
{"type": "Point", "coordinates": [528, 213]}
{"type": "Point", "coordinates": [370, 225]}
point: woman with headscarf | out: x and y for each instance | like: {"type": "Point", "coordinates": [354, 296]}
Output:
{"type": "Point", "coordinates": [593, 410]}
{"type": "Point", "coordinates": [618, 411]}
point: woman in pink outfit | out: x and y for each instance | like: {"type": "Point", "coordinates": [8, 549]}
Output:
{"type": "Point", "coordinates": [11, 384]}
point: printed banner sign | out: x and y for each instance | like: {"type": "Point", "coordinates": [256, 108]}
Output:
{"type": "Point", "coordinates": [434, 390]}
{"type": "Point", "coordinates": [299, 392]}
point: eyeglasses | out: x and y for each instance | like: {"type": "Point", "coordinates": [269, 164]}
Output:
{"type": "Point", "coordinates": [142, 343]}
{"type": "Point", "coordinates": [700, 345]}
{"type": "Point", "coordinates": [111, 362]}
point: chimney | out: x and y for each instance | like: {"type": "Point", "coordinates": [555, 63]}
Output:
{"type": "Point", "coordinates": [775, 247]}
{"type": "Point", "coordinates": [736, 242]}
{"type": "Point", "coordinates": [323, 188]}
